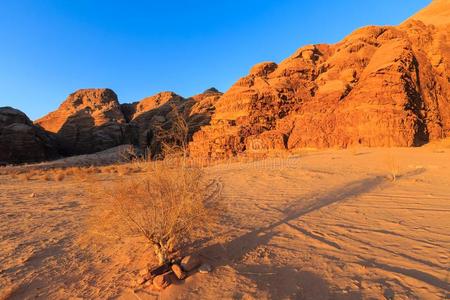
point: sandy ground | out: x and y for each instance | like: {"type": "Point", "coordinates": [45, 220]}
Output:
{"type": "Point", "coordinates": [319, 225]}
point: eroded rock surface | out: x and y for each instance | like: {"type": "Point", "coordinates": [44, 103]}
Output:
{"type": "Point", "coordinates": [380, 86]}
{"type": "Point", "coordinates": [89, 120]}
{"type": "Point", "coordinates": [21, 141]}
{"type": "Point", "coordinates": [92, 120]}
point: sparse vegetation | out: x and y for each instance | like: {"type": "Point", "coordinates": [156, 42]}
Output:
{"type": "Point", "coordinates": [27, 176]}
{"type": "Point", "coordinates": [165, 205]}
{"type": "Point", "coordinates": [60, 176]}
{"type": "Point", "coordinates": [124, 170]}
{"type": "Point", "coordinates": [392, 166]}
{"type": "Point", "coordinates": [175, 139]}
{"type": "Point", "coordinates": [48, 177]}
{"type": "Point", "coordinates": [80, 174]}
{"type": "Point", "coordinates": [69, 171]}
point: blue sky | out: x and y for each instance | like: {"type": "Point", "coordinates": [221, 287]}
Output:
{"type": "Point", "coordinates": [49, 49]}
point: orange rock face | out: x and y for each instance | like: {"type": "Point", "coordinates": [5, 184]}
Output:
{"type": "Point", "coordinates": [380, 86]}
{"type": "Point", "coordinates": [90, 120]}
{"type": "Point", "coordinates": [155, 114]}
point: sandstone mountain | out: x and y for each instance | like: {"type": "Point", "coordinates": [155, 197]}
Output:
{"type": "Point", "coordinates": [21, 141]}
{"type": "Point", "coordinates": [92, 120]}
{"type": "Point", "coordinates": [380, 86]}
{"type": "Point", "coordinates": [154, 115]}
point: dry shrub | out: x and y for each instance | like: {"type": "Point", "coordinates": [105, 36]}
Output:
{"type": "Point", "coordinates": [16, 173]}
{"type": "Point", "coordinates": [170, 204]}
{"type": "Point", "coordinates": [124, 170]}
{"type": "Point", "coordinates": [174, 140]}
{"type": "Point", "coordinates": [392, 165]}
{"type": "Point", "coordinates": [27, 176]}
{"type": "Point", "coordinates": [13, 175]}
{"type": "Point", "coordinates": [48, 177]}
{"type": "Point", "coordinates": [129, 154]}
{"type": "Point", "coordinates": [80, 174]}
{"type": "Point", "coordinates": [59, 176]}
{"type": "Point", "coordinates": [112, 169]}
{"type": "Point", "coordinates": [93, 170]}
{"type": "Point", "coordinates": [166, 205]}
{"type": "Point", "coordinates": [69, 171]}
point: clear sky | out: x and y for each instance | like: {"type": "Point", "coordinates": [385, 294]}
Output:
{"type": "Point", "coordinates": [49, 49]}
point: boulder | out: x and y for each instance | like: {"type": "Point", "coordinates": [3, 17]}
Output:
{"type": "Point", "coordinates": [263, 69]}
{"type": "Point", "coordinates": [179, 273]}
{"type": "Point", "coordinates": [205, 269]}
{"type": "Point", "coordinates": [190, 262]}
{"type": "Point", "coordinates": [161, 282]}
{"type": "Point", "coordinates": [21, 141]}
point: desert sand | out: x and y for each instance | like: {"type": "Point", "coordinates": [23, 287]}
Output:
{"type": "Point", "coordinates": [328, 224]}
{"type": "Point", "coordinates": [294, 222]}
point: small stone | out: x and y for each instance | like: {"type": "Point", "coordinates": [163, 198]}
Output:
{"type": "Point", "coordinates": [144, 278]}
{"type": "Point", "coordinates": [160, 282]}
{"type": "Point", "coordinates": [178, 272]}
{"type": "Point", "coordinates": [133, 282]}
{"type": "Point", "coordinates": [190, 262]}
{"type": "Point", "coordinates": [389, 294]}
{"type": "Point", "coordinates": [205, 269]}
{"type": "Point", "coordinates": [146, 283]}
{"type": "Point", "coordinates": [33, 195]}
{"type": "Point", "coordinates": [143, 272]}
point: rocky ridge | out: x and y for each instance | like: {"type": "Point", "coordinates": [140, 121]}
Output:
{"type": "Point", "coordinates": [380, 86]}
{"type": "Point", "coordinates": [92, 120]}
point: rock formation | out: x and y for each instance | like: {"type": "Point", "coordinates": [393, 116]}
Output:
{"type": "Point", "coordinates": [154, 115]}
{"type": "Point", "coordinates": [90, 120]}
{"type": "Point", "coordinates": [380, 86]}
{"type": "Point", "coordinates": [21, 141]}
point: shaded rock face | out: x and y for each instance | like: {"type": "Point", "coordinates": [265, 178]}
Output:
{"type": "Point", "coordinates": [89, 120]}
{"type": "Point", "coordinates": [380, 86]}
{"type": "Point", "coordinates": [92, 120]}
{"type": "Point", "coordinates": [21, 141]}
{"type": "Point", "coordinates": [156, 113]}
{"type": "Point", "coordinates": [150, 115]}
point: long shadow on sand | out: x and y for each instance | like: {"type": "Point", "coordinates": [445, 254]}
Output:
{"type": "Point", "coordinates": [236, 249]}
